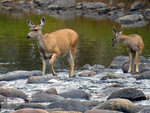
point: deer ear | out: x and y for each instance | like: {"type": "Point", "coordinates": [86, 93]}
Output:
{"type": "Point", "coordinates": [29, 23]}
{"type": "Point", "coordinates": [114, 30]}
{"type": "Point", "coordinates": [42, 22]}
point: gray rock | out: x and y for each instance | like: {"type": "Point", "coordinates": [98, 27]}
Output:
{"type": "Point", "coordinates": [144, 75]}
{"type": "Point", "coordinates": [91, 103]}
{"type": "Point", "coordinates": [93, 5]}
{"type": "Point", "coordinates": [102, 111]}
{"type": "Point", "coordinates": [75, 94]}
{"type": "Point", "coordinates": [51, 91]}
{"type": "Point", "coordinates": [97, 68]}
{"type": "Point", "coordinates": [12, 92]}
{"type": "Point", "coordinates": [24, 5]}
{"type": "Point", "coordinates": [2, 98]}
{"type": "Point", "coordinates": [31, 105]}
{"type": "Point", "coordinates": [38, 79]}
{"type": "Point", "coordinates": [110, 76]}
{"type": "Point", "coordinates": [45, 97]}
{"type": "Point", "coordinates": [69, 105]}
{"type": "Point", "coordinates": [122, 105]}
{"type": "Point", "coordinates": [86, 73]}
{"type": "Point", "coordinates": [14, 75]}
{"type": "Point", "coordinates": [128, 93]}
{"type": "Point", "coordinates": [137, 5]}
{"type": "Point", "coordinates": [145, 110]}
{"type": "Point", "coordinates": [43, 3]}
{"type": "Point", "coordinates": [146, 13]}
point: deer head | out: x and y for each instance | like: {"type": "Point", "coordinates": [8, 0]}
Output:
{"type": "Point", "coordinates": [116, 36]}
{"type": "Point", "coordinates": [35, 31]}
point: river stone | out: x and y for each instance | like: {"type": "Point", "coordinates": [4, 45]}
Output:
{"type": "Point", "coordinates": [75, 94]}
{"type": "Point", "coordinates": [91, 103]}
{"type": "Point", "coordinates": [51, 91]}
{"type": "Point", "coordinates": [143, 67]}
{"type": "Point", "coordinates": [102, 111]}
{"type": "Point", "coordinates": [146, 13]}
{"type": "Point", "coordinates": [93, 5]}
{"type": "Point", "coordinates": [118, 104]}
{"type": "Point", "coordinates": [145, 110]}
{"type": "Point", "coordinates": [45, 97]}
{"type": "Point", "coordinates": [97, 68]}
{"type": "Point", "coordinates": [14, 75]}
{"type": "Point", "coordinates": [64, 112]}
{"type": "Point", "coordinates": [137, 5]}
{"type": "Point", "coordinates": [69, 105]}
{"type": "Point", "coordinates": [12, 92]}
{"type": "Point", "coordinates": [110, 76]}
{"type": "Point", "coordinates": [128, 93]}
{"type": "Point", "coordinates": [86, 73]}
{"type": "Point", "coordinates": [2, 98]}
{"type": "Point", "coordinates": [43, 3]}
{"type": "Point", "coordinates": [144, 75]}
{"type": "Point", "coordinates": [38, 79]}
{"type": "Point", "coordinates": [133, 20]}
{"type": "Point", "coordinates": [118, 62]}
{"type": "Point", "coordinates": [24, 5]}
{"type": "Point", "coordinates": [29, 110]}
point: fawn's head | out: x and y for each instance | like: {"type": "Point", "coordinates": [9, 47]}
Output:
{"type": "Point", "coordinates": [116, 36]}
{"type": "Point", "coordinates": [35, 31]}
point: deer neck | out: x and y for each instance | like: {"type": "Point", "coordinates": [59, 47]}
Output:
{"type": "Point", "coordinates": [40, 42]}
{"type": "Point", "coordinates": [123, 39]}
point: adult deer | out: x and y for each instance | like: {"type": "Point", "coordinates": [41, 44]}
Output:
{"type": "Point", "coordinates": [134, 44]}
{"type": "Point", "coordinates": [53, 45]}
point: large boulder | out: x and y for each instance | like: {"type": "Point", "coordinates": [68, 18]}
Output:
{"type": "Point", "coordinates": [75, 94]}
{"type": "Point", "coordinates": [69, 105]}
{"type": "Point", "coordinates": [137, 5]}
{"type": "Point", "coordinates": [29, 110]}
{"type": "Point", "coordinates": [12, 92]}
{"type": "Point", "coordinates": [133, 20]}
{"type": "Point", "coordinates": [14, 75]}
{"type": "Point", "coordinates": [128, 93]}
{"type": "Point", "coordinates": [122, 105]}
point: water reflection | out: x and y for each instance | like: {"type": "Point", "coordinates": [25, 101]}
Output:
{"type": "Point", "coordinates": [94, 47]}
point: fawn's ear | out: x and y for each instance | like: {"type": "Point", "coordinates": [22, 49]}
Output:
{"type": "Point", "coordinates": [42, 22]}
{"type": "Point", "coordinates": [121, 30]}
{"type": "Point", "coordinates": [114, 30]}
{"type": "Point", "coordinates": [29, 23]}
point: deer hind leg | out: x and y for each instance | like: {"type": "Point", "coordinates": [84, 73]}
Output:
{"type": "Point", "coordinates": [137, 59]}
{"type": "Point", "coordinates": [133, 63]}
{"type": "Point", "coordinates": [72, 56]}
{"type": "Point", "coordinates": [130, 61]}
{"type": "Point", "coordinates": [54, 56]}
{"type": "Point", "coordinates": [43, 66]}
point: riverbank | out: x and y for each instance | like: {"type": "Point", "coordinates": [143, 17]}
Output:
{"type": "Point", "coordinates": [135, 15]}
{"type": "Point", "coordinates": [92, 88]}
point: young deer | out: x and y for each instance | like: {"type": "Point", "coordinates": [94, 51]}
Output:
{"type": "Point", "coordinates": [53, 45]}
{"type": "Point", "coordinates": [134, 45]}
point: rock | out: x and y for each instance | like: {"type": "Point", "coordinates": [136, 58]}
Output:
{"type": "Point", "coordinates": [86, 73]}
{"type": "Point", "coordinates": [62, 4]}
{"type": "Point", "coordinates": [122, 105]}
{"type": "Point", "coordinates": [146, 14]}
{"type": "Point", "coordinates": [64, 112]}
{"type": "Point", "coordinates": [69, 105]}
{"type": "Point", "coordinates": [102, 111]}
{"type": "Point", "coordinates": [29, 110]}
{"type": "Point", "coordinates": [143, 67]}
{"type": "Point", "coordinates": [45, 97]}
{"type": "Point", "coordinates": [38, 79]}
{"type": "Point", "coordinates": [31, 105]}
{"type": "Point", "coordinates": [2, 98]}
{"type": "Point", "coordinates": [51, 91]}
{"type": "Point", "coordinates": [24, 5]}
{"type": "Point", "coordinates": [118, 62]}
{"type": "Point", "coordinates": [128, 93]}
{"type": "Point", "coordinates": [144, 75]}
{"type": "Point", "coordinates": [93, 5]}
{"type": "Point", "coordinates": [97, 68]}
{"type": "Point", "coordinates": [110, 76]}
{"type": "Point", "coordinates": [14, 75]}
{"type": "Point", "coordinates": [12, 92]}
{"type": "Point", "coordinates": [133, 20]}
{"type": "Point", "coordinates": [137, 5]}
{"type": "Point", "coordinates": [91, 103]}
{"type": "Point", "coordinates": [75, 94]}
{"type": "Point", "coordinates": [87, 66]}
{"type": "Point", "coordinates": [42, 3]}
{"type": "Point", "coordinates": [145, 110]}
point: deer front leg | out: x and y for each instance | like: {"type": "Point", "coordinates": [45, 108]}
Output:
{"type": "Point", "coordinates": [137, 58]}
{"type": "Point", "coordinates": [130, 62]}
{"type": "Point", "coordinates": [71, 66]}
{"type": "Point", "coordinates": [54, 56]}
{"type": "Point", "coordinates": [43, 66]}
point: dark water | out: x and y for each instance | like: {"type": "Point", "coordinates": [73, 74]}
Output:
{"type": "Point", "coordinates": [94, 47]}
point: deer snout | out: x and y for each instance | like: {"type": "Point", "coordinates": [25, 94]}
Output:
{"type": "Point", "coordinates": [28, 37]}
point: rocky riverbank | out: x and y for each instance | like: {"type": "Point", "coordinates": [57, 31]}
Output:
{"type": "Point", "coordinates": [135, 15]}
{"type": "Point", "coordinates": [94, 89]}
